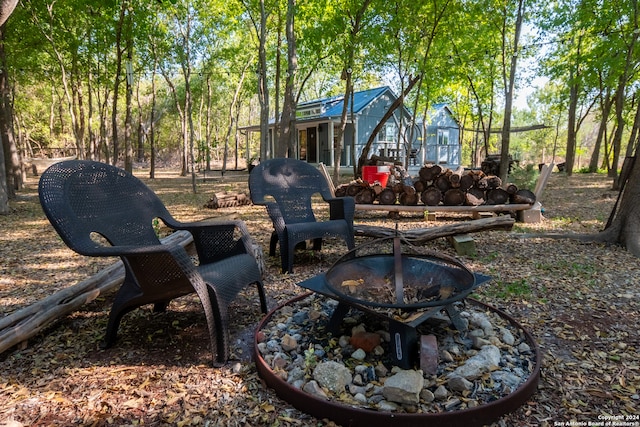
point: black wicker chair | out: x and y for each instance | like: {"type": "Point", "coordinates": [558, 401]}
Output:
{"type": "Point", "coordinates": [285, 187]}
{"type": "Point", "coordinates": [90, 203]}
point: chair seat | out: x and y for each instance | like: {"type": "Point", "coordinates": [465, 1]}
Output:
{"type": "Point", "coordinates": [286, 188]}
{"type": "Point", "coordinates": [235, 272]}
{"type": "Point", "coordinates": [313, 230]}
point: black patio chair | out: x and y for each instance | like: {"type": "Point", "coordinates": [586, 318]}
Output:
{"type": "Point", "coordinates": [100, 210]}
{"type": "Point", "coordinates": [286, 186]}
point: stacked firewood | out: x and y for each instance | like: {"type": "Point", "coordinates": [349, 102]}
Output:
{"type": "Point", "coordinates": [227, 200]}
{"type": "Point", "coordinates": [435, 186]}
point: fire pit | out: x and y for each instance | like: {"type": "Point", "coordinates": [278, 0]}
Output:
{"type": "Point", "coordinates": [407, 290]}
{"type": "Point", "coordinates": [393, 280]}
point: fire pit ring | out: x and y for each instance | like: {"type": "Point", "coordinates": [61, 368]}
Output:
{"type": "Point", "coordinates": [346, 415]}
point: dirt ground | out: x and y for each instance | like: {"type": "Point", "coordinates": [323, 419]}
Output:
{"type": "Point", "coordinates": [580, 301]}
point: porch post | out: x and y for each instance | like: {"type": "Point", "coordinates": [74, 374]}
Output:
{"type": "Point", "coordinates": [330, 137]}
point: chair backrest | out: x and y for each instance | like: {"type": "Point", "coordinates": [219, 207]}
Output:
{"type": "Point", "coordinates": [291, 183]}
{"type": "Point", "coordinates": [82, 197]}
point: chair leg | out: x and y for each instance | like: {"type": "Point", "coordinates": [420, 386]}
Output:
{"type": "Point", "coordinates": [160, 307]}
{"type": "Point", "coordinates": [263, 297]}
{"type": "Point", "coordinates": [221, 326]}
{"type": "Point", "coordinates": [272, 244]}
{"type": "Point", "coordinates": [317, 244]}
{"type": "Point", "coordinates": [211, 306]}
{"type": "Point", "coordinates": [287, 258]}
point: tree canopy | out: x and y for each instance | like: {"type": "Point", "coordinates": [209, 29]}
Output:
{"type": "Point", "coordinates": [167, 81]}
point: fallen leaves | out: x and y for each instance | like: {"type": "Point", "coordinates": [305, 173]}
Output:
{"type": "Point", "coordinates": [581, 302]}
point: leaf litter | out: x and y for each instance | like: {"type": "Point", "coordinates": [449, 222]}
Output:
{"type": "Point", "coordinates": [580, 301]}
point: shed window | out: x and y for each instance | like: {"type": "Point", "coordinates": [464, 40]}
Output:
{"type": "Point", "coordinates": [387, 133]}
{"type": "Point", "coordinates": [443, 137]}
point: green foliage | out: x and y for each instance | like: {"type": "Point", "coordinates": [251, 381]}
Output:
{"type": "Point", "coordinates": [505, 290]}
{"type": "Point", "coordinates": [524, 177]}
{"type": "Point", "coordinates": [585, 169]}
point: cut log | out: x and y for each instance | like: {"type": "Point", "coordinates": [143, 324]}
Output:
{"type": "Point", "coordinates": [387, 197]}
{"type": "Point", "coordinates": [353, 189]}
{"type": "Point", "coordinates": [454, 197]}
{"type": "Point", "coordinates": [408, 199]}
{"type": "Point", "coordinates": [431, 196]}
{"type": "Point", "coordinates": [511, 189]}
{"type": "Point", "coordinates": [466, 181]}
{"type": "Point", "coordinates": [523, 196]}
{"type": "Point", "coordinates": [442, 183]}
{"type": "Point", "coordinates": [430, 172]}
{"type": "Point", "coordinates": [377, 188]}
{"type": "Point", "coordinates": [456, 176]}
{"type": "Point", "coordinates": [409, 189]}
{"type": "Point", "coordinates": [420, 185]}
{"type": "Point", "coordinates": [366, 196]}
{"type": "Point", "coordinates": [489, 182]}
{"type": "Point", "coordinates": [341, 190]}
{"type": "Point", "coordinates": [397, 187]}
{"type": "Point", "coordinates": [475, 197]}
{"type": "Point", "coordinates": [227, 200]}
{"type": "Point", "coordinates": [497, 196]}
{"type": "Point", "coordinates": [423, 235]}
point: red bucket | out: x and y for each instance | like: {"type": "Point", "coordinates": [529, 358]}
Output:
{"type": "Point", "coordinates": [376, 173]}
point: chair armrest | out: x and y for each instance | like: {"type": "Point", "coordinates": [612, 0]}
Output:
{"type": "Point", "coordinates": [341, 208]}
{"type": "Point", "coordinates": [217, 239]}
{"type": "Point", "coordinates": [122, 250]}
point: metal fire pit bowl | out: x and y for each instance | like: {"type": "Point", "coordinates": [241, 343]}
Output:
{"type": "Point", "coordinates": [349, 416]}
{"type": "Point", "coordinates": [392, 279]}
{"type": "Point", "coordinates": [390, 273]}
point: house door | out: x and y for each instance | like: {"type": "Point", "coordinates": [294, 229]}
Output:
{"type": "Point", "coordinates": [308, 140]}
{"type": "Point", "coordinates": [443, 146]}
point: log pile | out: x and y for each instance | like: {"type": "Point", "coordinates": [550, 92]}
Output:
{"type": "Point", "coordinates": [435, 186]}
{"type": "Point", "coordinates": [227, 200]}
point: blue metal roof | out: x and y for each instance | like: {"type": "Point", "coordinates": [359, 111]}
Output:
{"type": "Point", "coordinates": [332, 107]}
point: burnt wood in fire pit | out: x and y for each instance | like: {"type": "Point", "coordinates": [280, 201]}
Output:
{"type": "Point", "coordinates": [403, 331]}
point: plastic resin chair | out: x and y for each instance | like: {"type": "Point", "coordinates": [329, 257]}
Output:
{"type": "Point", "coordinates": [286, 186]}
{"type": "Point", "coordinates": [86, 199]}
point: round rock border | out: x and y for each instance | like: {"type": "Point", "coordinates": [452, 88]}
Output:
{"type": "Point", "coordinates": [349, 416]}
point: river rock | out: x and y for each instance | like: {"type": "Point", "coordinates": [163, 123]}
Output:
{"type": "Point", "coordinates": [332, 375]}
{"type": "Point", "coordinates": [404, 387]}
{"type": "Point", "coordinates": [314, 389]}
{"type": "Point", "coordinates": [486, 360]}
{"type": "Point", "coordinates": [459, 384]}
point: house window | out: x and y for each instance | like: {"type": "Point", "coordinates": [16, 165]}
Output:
{"type": "Point", "coordinates": [443, 137]}
{"type": "Point", "coordinates": [387, 133]}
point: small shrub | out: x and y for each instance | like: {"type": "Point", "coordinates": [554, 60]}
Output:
{"type": "Point", "coordinates": [524, 177]}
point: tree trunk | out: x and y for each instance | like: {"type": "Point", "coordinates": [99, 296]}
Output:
{"type": "Point", "coordinates": [6, 8]}
{"type": "Point", "coordinates": [604, 118]}
{"type": "Point", "coordinates": [506, 128]}
{"type": "Point", "coordinates": [12, 162]}
{"type": "Point", "coordinates": [287, 145]}
{"type": "Point", "coordinates": [625, 226]}
{"type": "Point", "coordinates": [387, 115]}
{"type": "Point", "coordinates": [263, 87]}
{"type": "Point", "coordinates": [116, 84]}
{"type": "Point", "coordinates": [347, 76]}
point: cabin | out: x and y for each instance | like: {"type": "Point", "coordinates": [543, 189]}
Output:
{"type": "Point", "coordinates": [317, 123]}
{"type": "Point", "coordinates": [442, 144]}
